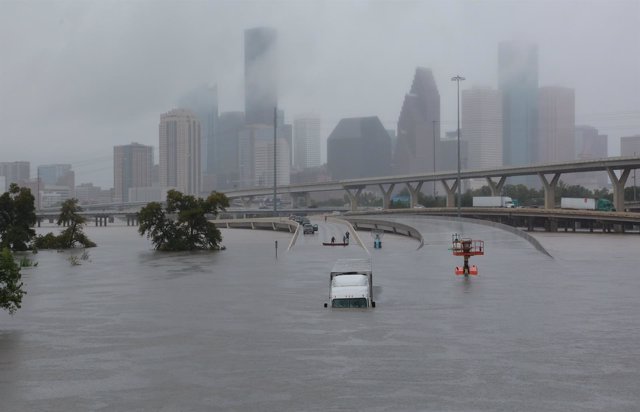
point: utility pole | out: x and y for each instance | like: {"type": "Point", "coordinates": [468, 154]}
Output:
{"type": "Point", "coordinates": [457, 79]}
{"type": "Point", "coordinates": [275, 158]}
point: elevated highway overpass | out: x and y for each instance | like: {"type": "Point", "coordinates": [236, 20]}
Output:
{"type": "Point", "coordinates": [530, 219]}
{"type": "Point", "coordinates": [618, 169]}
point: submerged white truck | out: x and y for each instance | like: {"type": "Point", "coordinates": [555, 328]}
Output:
{"type": "Point", "coordinates": [351, 284]}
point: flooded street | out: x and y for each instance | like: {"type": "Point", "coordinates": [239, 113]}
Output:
{"type": "Point", "coordinates": [131, 329]}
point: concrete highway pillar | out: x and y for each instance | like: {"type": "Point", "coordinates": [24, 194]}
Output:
{"type": "Point", "coordinates": [413, 193]}
{"type": "Point", "coordinates": [549, 190]}
{"type": "Point", "coordinates": [353, 197]}
{"type": "Point", "coordinates": [618, 187]}
{"type": "Point", "coordinates": [386, 195]}
{"type": "Point", "coordinates": [496, 188]}
{"type": "Point", "coordinates": [307, 199]}
{"type": "Point", "coordinates": [451, 192]}
{"type": "Point", "coordinates": [296, 199]}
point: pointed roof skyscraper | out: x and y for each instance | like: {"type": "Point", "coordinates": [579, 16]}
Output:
{"type": "Point", "coordinates": [418, 126]}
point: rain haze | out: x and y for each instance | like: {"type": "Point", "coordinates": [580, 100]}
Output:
{"type": "Point", "coordinates": [78, 77]}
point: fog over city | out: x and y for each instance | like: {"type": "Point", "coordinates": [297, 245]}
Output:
{"type": "Point", "coordinates": [78, 77]}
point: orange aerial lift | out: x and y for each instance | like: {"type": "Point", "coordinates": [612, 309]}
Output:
{"type": "Point", "coordinates": [466, 248]}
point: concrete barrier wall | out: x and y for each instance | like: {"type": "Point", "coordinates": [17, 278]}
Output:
{"type": "Point", "coordinates": [534, 242]}
{"type": "Point", "coordinates": [351, 230]}
{"type": "Point", "coordinates": [388, 226]}
{"type": "Point", "coordinates": [276, 223]}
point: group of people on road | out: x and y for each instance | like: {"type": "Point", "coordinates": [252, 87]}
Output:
{"type": "Point", "coordinates": [345, 238]}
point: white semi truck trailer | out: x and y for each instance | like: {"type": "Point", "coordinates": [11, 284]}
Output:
{"type": "Point", "coordinates": [493, 201]}
{"type": "Point", "coordinates": [351, 284]}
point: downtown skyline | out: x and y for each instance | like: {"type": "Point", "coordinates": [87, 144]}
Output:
{"type": "Point", "coordinates": [53, 89]}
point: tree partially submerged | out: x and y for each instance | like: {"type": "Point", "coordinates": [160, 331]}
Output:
{"type": "Point", "coordinates": [17, 218]}
{"type": "Point", "coordinates": [72, 235]}
{"type": "Point", "coordinates": [10, 282]}
{"type": "Point", "coordinates": [183, 224]}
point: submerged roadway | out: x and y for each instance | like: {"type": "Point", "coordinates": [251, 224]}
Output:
{"type": "Point", "coordinates": [132, 329]}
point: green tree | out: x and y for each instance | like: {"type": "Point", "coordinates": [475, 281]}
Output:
{"type": "Point", "coordinates": [73, 234]}
{"type": "Point", "coordinates": [572, 191]}
{"type": "Point", "coordinates": [17, 218]}
{"type": "Point", "coordinates": [183, 224]}
{"type": "Point", "coordinates": [605, 194]}
{"type": "Point", "coordinates": [71, 218]}
{"type": "Point", "coordinates": [10, 282]}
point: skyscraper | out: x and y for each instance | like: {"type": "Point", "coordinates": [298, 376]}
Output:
{"type": "Point", "coordinates": [260, 75]}
{"type": "Point", "coordinates": [630, 145]}
{"type": "Point", "coordinates": [306, 141]}
{"type": "Point", "coordinates": [589, 144]}
{"type": "Point", "coordinates": [255, 158]}
{"type": "Point", "coordinates": [448, 154]}
{"type": "Point", "coordinates": [556, 124]}
{"type": "Point", "coordinates": [227, 137]}
{"type": "Point", "coordinates": [132, 165]}
{"type": "Point", "coordinates": [58, 179]}
{"type": "Point", "coordinates": [14, 172]}
{"type": "Point", "coordinates": [359, 147]}
{"type": "Point", "coordinates": [518, 82]}
{"type": "Point", "coordinates": [418, 126]}
{"type": "Point", "coordinates": [180, 139]}
{"type": "Point", "coordinates": [203, 101]}
{"type": "Point", "coordinates": [56, 174]}
{"type": "Point", "coordinates": [51, 174]}
{"type": "Point", "coordinates": [482, 125]}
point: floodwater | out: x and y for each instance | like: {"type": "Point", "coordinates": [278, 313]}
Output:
{"type": "Point", "coordinates": [131, 329]}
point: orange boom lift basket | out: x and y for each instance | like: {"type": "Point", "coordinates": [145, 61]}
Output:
{"type": "Point", "coordinates": [466, 248]}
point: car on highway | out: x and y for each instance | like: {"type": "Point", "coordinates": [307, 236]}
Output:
{"type": "Point", "coordinates": [307, 229]}
{"type": "Point", "coordinates": [315, 227]}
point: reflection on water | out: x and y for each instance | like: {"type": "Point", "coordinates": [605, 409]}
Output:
{"type": "Point", "coordinates": [135, 329]}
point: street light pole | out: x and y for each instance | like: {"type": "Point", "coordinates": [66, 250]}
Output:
{"type": "Point", "coordinates": [39, 206]}
{"type": "Point", "coordinates": [434, 157]}
{"type": "Point", "coordinates": [275, 158]}
{"type": "Point", "coordinates": [457, 79]}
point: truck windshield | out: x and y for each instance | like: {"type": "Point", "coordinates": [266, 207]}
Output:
{"type": "Point", "coordinates": [349, 303]}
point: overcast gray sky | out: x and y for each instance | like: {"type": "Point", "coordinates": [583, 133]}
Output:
{"type": "Point", "coordinates": [78, 77]}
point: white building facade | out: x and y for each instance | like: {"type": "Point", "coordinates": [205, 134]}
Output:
{"type": "Point", "coordinates": [306, 142]}
{"type": "Point", "coordinates": [482, 130]}
{"type": "Point", "coordinates": [180, 152]}
{"type": "Point", "coordinates": [255, 155]}
{"type": "Point", "coordinates": [556, 124]}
